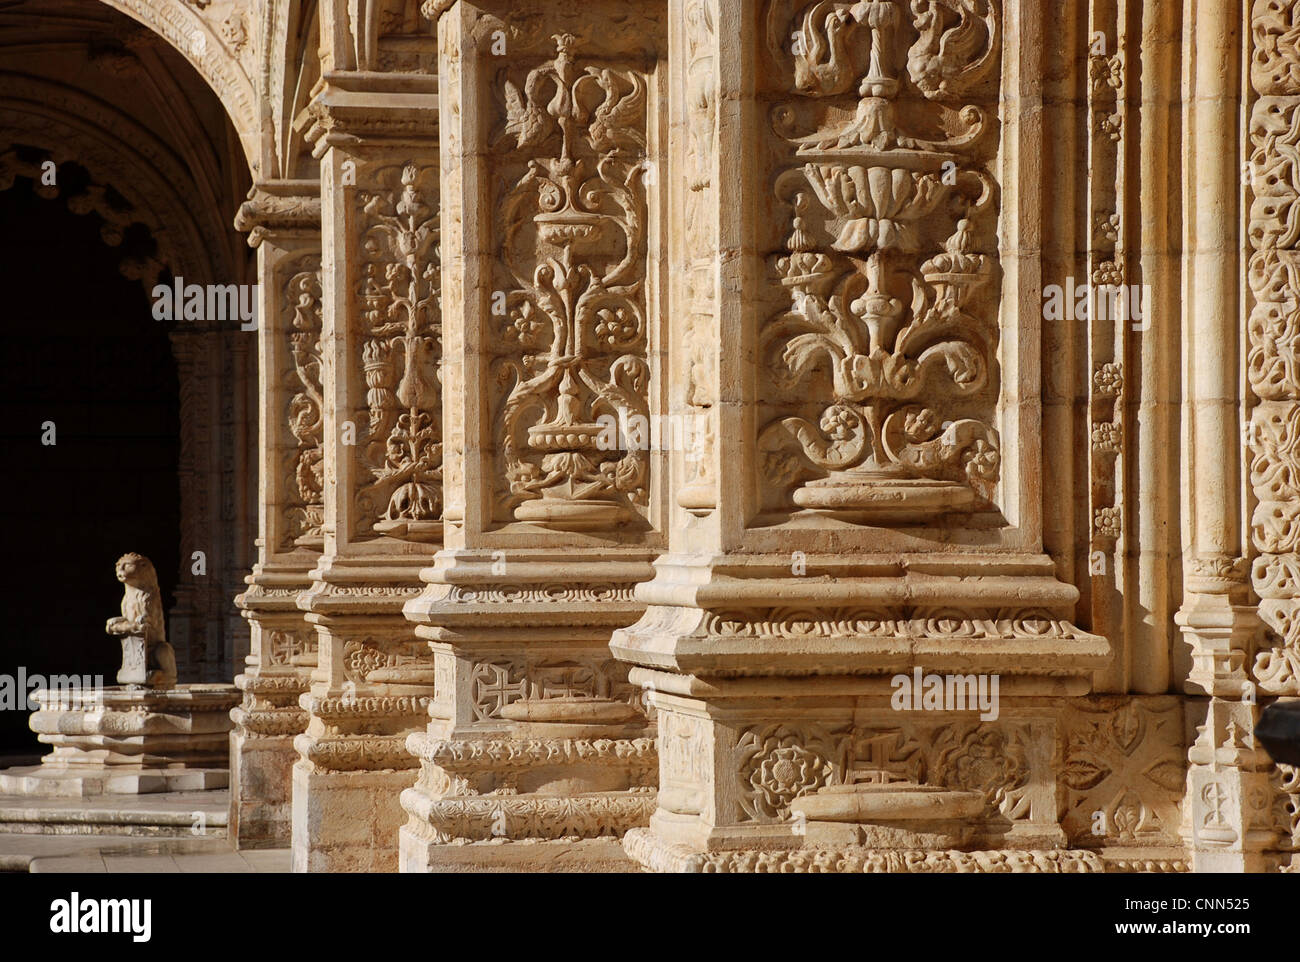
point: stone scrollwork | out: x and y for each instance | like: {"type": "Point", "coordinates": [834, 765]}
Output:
{"type": "Point", "coordinates": [573, 325]}
{"type": "Point", "coordinates": [892, 294]}
{"type": "Point", "coordinates": [305, 410]}
{"type": "Point", "coordinates": [400, 353]}
{"type": "Point", "coordinates": [1273, 433]}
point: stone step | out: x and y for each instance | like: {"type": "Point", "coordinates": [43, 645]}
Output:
{"type": "Point", "coordinates": [168, 815]}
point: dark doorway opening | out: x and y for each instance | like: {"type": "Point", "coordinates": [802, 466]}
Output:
{"type": "Point", "coordinates": [83, 351]}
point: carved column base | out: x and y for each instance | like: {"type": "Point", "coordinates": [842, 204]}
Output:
{"type": "Point", "coordinates": [372, 687]}
{"type": "Point", "coordinates": [346, 821]}
{"type": "Point", "coordinates": [261, 745]}
{"type": "Point", "coordinates": [536, 736]}
{"type": "Point", "coordinates": [262, 756]}
{"type": "Point", "coordinates": [1220, 634]}
{"type": "Point", "coordinates": [1228, 820]}
{"type": "Point", "coordinates": [128, 741]}
{"type": "Point", "coordinates": [879, 706]}
{"type": "Point", "coordinates": [751, 616]}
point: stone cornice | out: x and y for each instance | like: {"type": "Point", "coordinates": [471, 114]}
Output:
{"type": "Point", "coordinates": [352, 108]}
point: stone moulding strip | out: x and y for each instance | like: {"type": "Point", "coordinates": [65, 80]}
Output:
{"type": "Point", "coordinates": [480, 817]}
{"type": "Point", "coordinates": [270, 721]}
{"type": "Point", "coordinates": [365, 753]}
{"type": "Point", "coordinates": [660, 856]}
{"type": "Point", "coordinates": [637, 754]}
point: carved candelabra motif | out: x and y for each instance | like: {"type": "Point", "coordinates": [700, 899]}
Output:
{"type": "Point", "coordinates": [573, 228]}
{"type": "Point", "coordinates": [885, 266]}
{"type": "Point", "coordinates": [304, 410]}
{"type": "Point", "coordinates": [400, 291]}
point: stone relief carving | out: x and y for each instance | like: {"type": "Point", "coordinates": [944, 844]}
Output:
{"type": "Point", "coordinates": [891, 324]}
{"type": "Point", "coordinates": [1124, 771]}
{"type": "Point", "coordinates": [305, 411]}
{"type": "Point", "coordinates": [778, 763]}
{"type": "Point", "coordinates": [364, 658]}
{"type": "Point", "coordinates": [494, 685]}
{"type": "Point", "coordinates": [572, 226]}
{"type": "Point", "coordinates": [661, 857]}
{"type": "Point", "coordinates": [1286, 805]}
{"type": "Point", "coordinates": [399, 293]}
{"type": "Point", "coordinates": [287, 645]}
{"type": "Point", "coordinates": [1273, 434]}
{"type": "Point", "coordinates": [991, 761]}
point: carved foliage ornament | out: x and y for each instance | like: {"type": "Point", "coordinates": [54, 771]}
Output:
{"type": "Point", "coordinates": [1273, 358]}
{"type": "Point", "coordinates": [400, 353]}
{"type": "Point", "coordinates": [890, 318]}
{"type": "Point", "coordinates": [777, 764]}
{"type": "Point", "coordinates": [573, 227]}
{"type": "Point", "coordinates": [1124, 771]}
{"type": "Point", "coordinates": [303, 294]}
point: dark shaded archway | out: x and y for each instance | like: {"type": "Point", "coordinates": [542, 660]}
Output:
{"type": "Point", "coordinates": [83, 351]}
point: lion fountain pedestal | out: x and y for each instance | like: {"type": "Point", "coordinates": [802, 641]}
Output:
{"type": "Point", "coordinates": [146, 734]}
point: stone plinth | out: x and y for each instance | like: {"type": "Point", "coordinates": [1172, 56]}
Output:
{"type": "Point", "coordinates": [129, 741]}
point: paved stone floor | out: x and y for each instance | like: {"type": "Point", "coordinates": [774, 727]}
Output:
{"type": "Point", "coordinates": [173, 832]}
{"type": "Point", "coordinates": [124, 853]}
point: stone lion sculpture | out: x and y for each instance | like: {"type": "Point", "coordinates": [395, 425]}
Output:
{"type": "Point", "coordinates": [147, 659]}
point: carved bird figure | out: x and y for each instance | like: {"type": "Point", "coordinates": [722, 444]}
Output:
{"type": "Point", "coordinates": [525, 121]}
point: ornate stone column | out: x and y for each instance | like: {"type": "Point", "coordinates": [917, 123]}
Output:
{"type": "Point", "coordinates": [283, 221]}
{"type": "Point", "coordinates": [375, 135]}
{"type": "Point", "coordinates": [869, 500]}
{"type": "Point", "coordinates": [1229, 817]}
{"type": "Point", "coordinates": [553, 146]}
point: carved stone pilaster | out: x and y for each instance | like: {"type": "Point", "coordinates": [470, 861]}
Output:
{"type": "Point", "coordinates": [865, 507]}
{"type": "Point", "coordinates": [376, 138]}
{"type": "Point", "coordinates": [282, 219]}
{"type": "Point", "coordinates": [1243, 649]}
{"type": "Point", "coordinates": [556, 498]}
